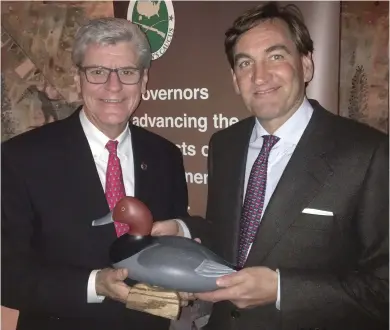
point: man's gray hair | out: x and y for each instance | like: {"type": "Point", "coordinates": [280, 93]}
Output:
{"type": "Point", "coordinates": [110, 31]}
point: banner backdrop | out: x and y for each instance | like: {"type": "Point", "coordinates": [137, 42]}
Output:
{"type": "Point", "coordinates": [190, 93]}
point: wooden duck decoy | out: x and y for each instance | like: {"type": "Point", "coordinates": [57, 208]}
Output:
{"type": "Point", "coordinates": [170, 262]}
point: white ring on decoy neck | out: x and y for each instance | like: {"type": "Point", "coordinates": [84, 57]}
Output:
{"type": "Point", "coordinates": [144, 166]}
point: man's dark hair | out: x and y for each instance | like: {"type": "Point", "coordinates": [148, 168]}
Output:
{"type": "Point", "coordinates": [290, 14]}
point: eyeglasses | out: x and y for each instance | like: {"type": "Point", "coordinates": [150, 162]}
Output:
{"type": "Point", "coordinates": [100, 74]}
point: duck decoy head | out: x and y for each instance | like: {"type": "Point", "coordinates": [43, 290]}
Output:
{"type": "Point", "coordinates": [135, 214]}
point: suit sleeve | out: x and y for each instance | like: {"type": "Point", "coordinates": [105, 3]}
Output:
{"type": "Point", "coordinates": [364, 288]}
{"type": "Point", "coordinates": [27, 283]}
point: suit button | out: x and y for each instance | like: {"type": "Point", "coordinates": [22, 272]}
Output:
{"type": "Point", "coordinates": [235, 314]}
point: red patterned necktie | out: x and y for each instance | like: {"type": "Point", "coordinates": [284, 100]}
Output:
{"type": "Point", "coordinates": [115, 188]}
{"type": "Point", "coordinates": [254, 199]}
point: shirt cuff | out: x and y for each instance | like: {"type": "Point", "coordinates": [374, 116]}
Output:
{"type": "Point", "coordinates": [92, 296]}
{"type": "Point", "coordinates": [184, 227]}
{"type": "Point", "coordinates": [278, 293]}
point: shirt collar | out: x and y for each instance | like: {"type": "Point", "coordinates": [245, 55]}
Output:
{"type": "Point", "coordinates": [97, 139]}
{"type": "Point", "coordinates": [291, 131]}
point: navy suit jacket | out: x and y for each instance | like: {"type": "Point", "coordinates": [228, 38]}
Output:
{"type": "Point", "coordinates": [51, 192]}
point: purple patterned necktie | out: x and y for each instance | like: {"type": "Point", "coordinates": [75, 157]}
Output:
{"type": "Point", "coordinates": [254, 199]}
{"type": "Point", "coordinates": [115, 188]}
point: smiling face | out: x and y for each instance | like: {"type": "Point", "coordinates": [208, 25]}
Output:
{"type": "Point", "coordinates": [109, 106]}
{"type": "Point", "coordinates": [270, 74]}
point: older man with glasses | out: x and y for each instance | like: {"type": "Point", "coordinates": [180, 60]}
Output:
{"type": "Point", "coordinates": [58, 178]}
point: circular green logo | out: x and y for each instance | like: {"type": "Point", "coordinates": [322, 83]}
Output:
{"type": "Point", "coordinates": [157, 20]}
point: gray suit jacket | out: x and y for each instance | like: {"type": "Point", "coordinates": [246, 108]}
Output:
{"type": "Point", "coordinates": [334, 269]}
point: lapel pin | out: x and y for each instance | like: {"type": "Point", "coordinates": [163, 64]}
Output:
{"type": "Point", "coordinates": [144, 167]}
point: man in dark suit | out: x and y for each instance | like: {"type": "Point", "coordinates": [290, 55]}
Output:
{"type": "Point", "coordinates": [57, 179]}
{"type": "Point", "coordinates": [297, 197]}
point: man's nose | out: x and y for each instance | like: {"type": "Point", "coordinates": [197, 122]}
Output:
{"type": "Point", "coordinates": [113, 82]}
{"type": "Point", "coordinates": [261, 72]}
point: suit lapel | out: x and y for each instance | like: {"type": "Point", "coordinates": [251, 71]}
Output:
{"type": "Point", "coordinates": [143, 164]}
{"type": "Point", "coordinates": [303, 177]}
{"type": "Point", "coordinates": [233, 175]}
{"type": "Point", "coordinates": [80, 173]}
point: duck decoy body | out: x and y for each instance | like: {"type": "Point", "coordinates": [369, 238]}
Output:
{"type": "Point", "coordinates": [171, 262]}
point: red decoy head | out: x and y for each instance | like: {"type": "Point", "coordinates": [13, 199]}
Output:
{"type": "Point", "coordinates": [135, 214]}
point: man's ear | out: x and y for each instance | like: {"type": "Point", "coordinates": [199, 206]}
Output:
{"type": "Point", "coordinates": [144, 80]}
{"type": "Point", "coordinates": [308, 67]}
{"type": "Point", "coordinates": [235, 84]}
{"type": "Point", "coordinates": [77, 81]}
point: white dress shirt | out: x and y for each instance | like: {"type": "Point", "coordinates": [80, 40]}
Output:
{"type": "Point", "coordinates": [97, 142]}
{"type": "Point", "coordinates": [289, 135]}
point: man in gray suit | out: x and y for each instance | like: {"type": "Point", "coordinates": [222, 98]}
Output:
{"type": "Point", "coordinates": [297, 197]}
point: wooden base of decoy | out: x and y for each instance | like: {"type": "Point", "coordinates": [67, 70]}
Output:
{"type": "Point", "coordinates": [154, 300]}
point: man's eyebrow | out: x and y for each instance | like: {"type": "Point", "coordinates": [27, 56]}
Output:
{"type": "Point", "coordinates": [277, 47]}
{"type": "Point", "coordinates": [240, 56]}
{"type": "Point", "coordinates": [268, 50]}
